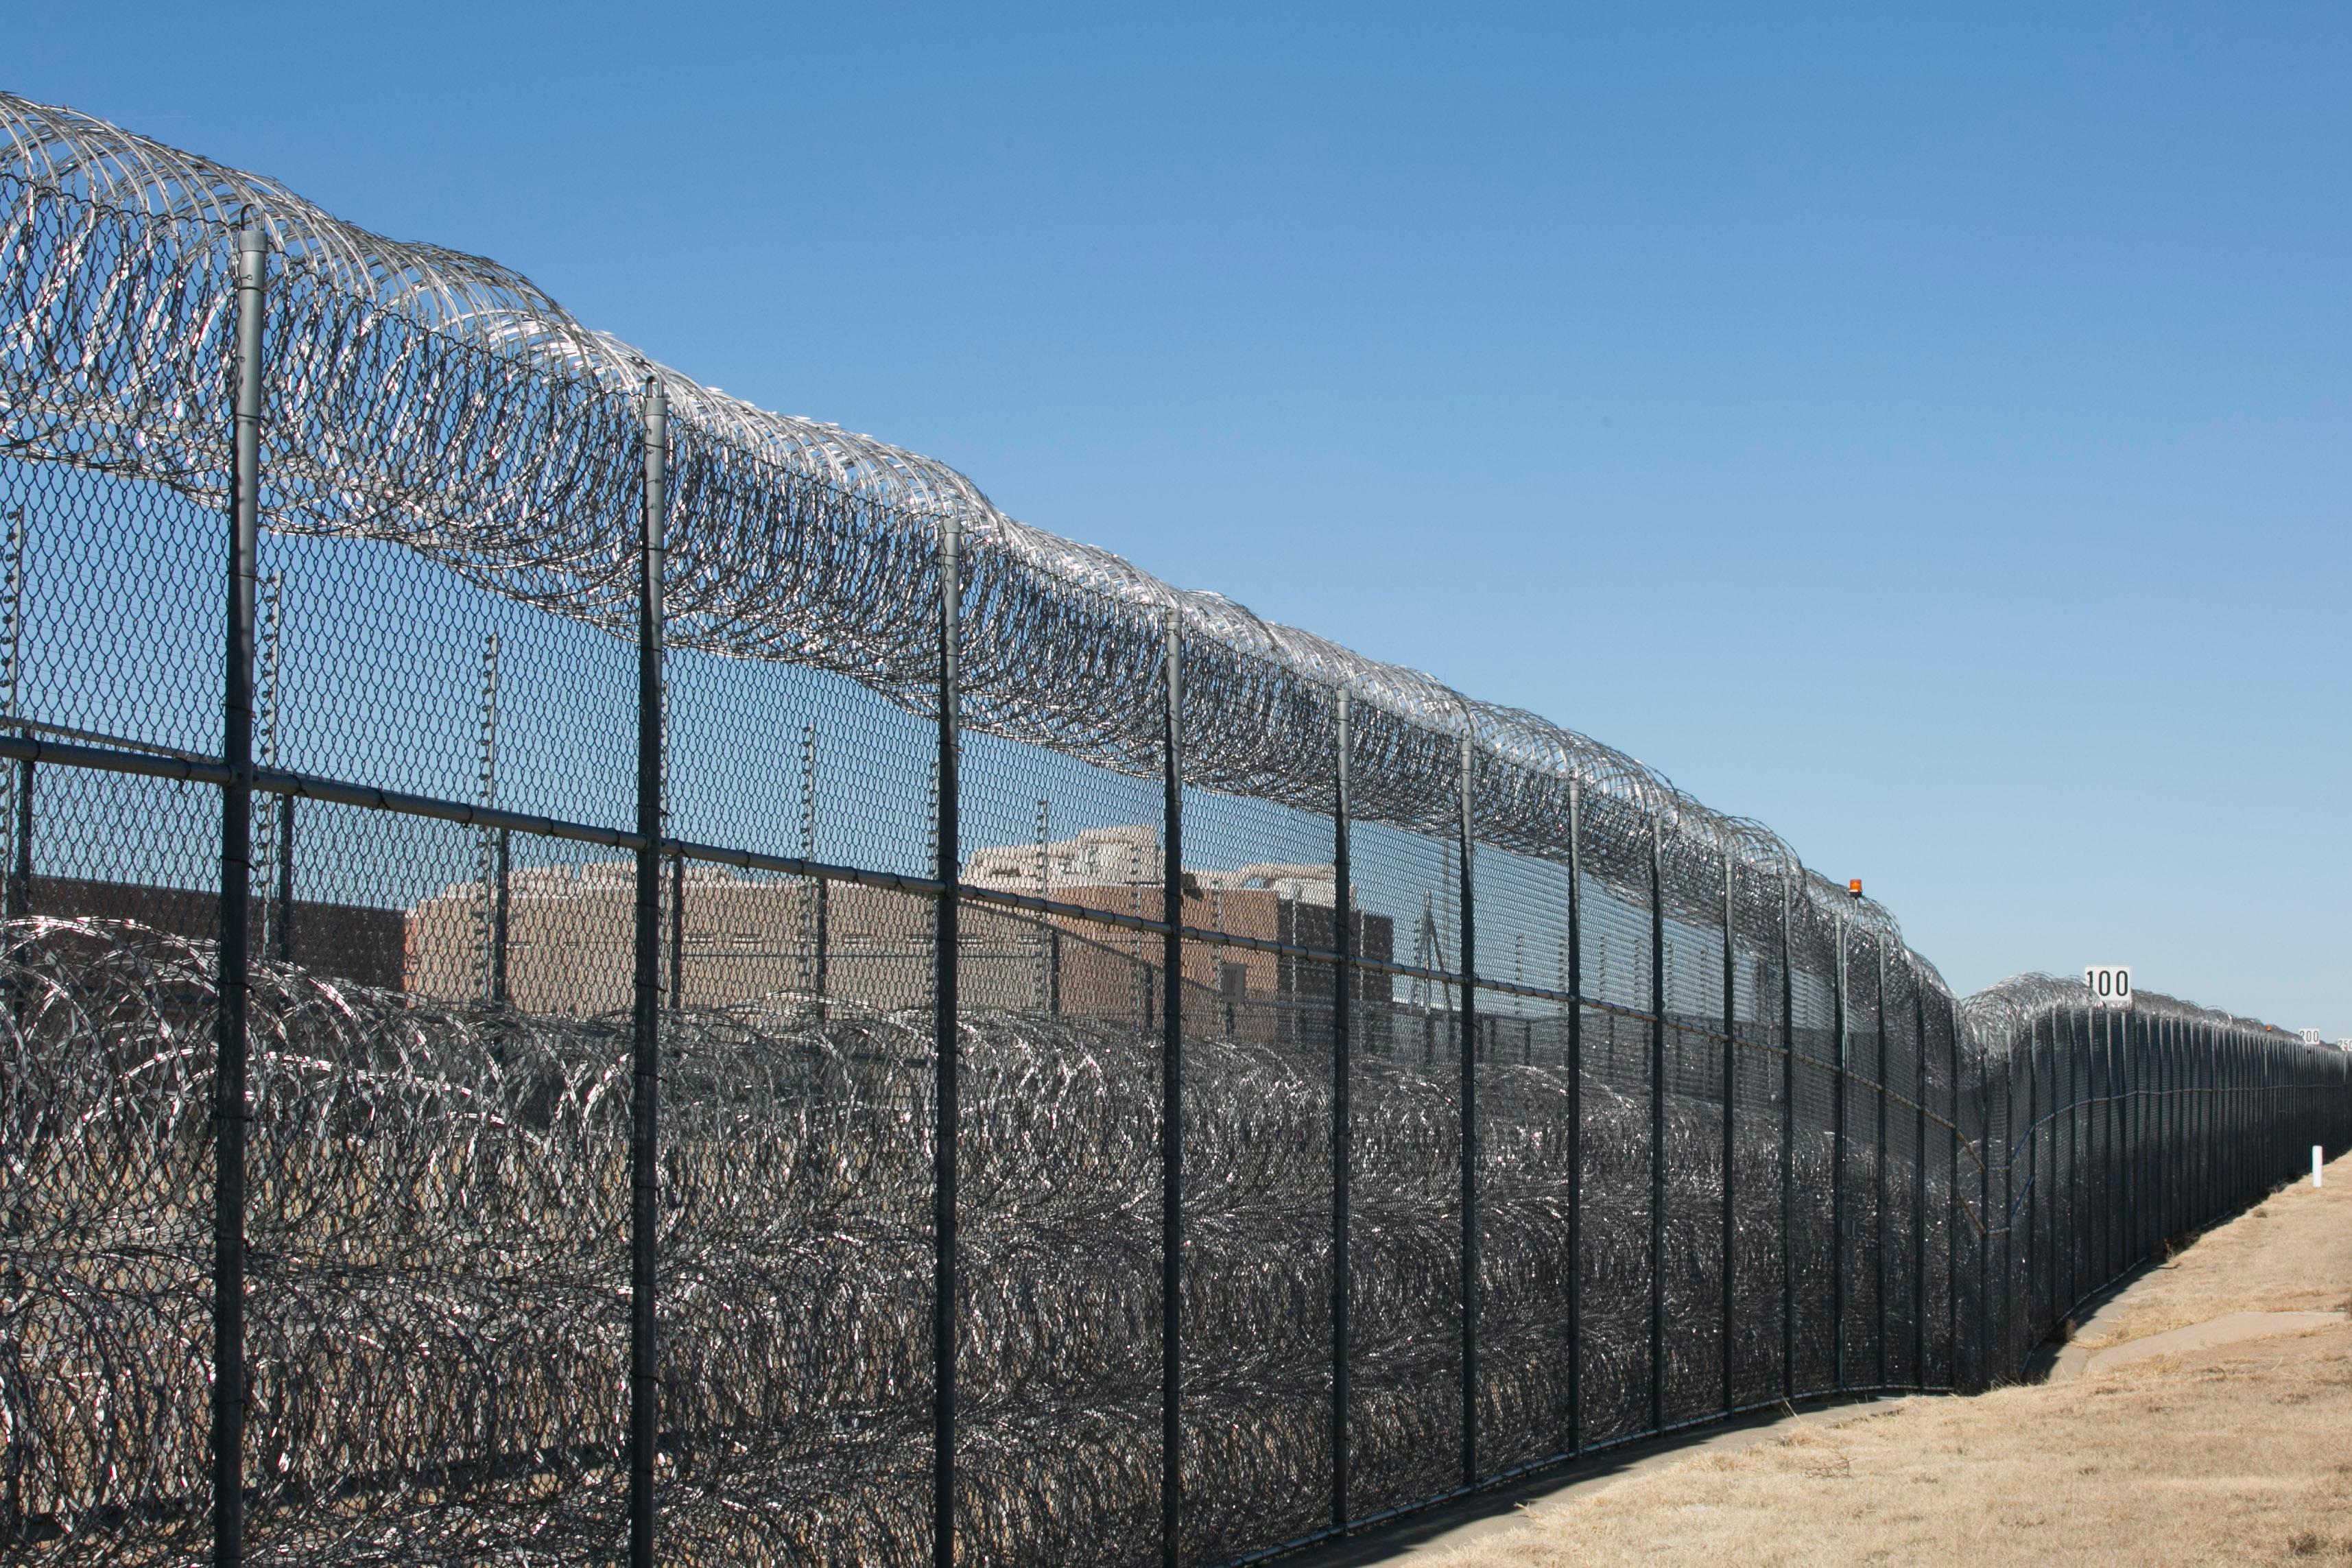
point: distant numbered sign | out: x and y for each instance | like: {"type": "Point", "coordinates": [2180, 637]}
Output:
{"type": "Point", "coordinates": [2110, 983]}
{"type": "Point", "coordinates": [2311, 1038]}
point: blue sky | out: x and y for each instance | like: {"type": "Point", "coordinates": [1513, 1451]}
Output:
{"type": "Point", "coordinates": [1922, 432]}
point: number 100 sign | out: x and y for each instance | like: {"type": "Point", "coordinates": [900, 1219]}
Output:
{"type": "Point", "coordinates": [2110, 983]}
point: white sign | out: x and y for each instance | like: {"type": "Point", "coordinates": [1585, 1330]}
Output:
{"type": "Point", "coordinates": [2110, 983]}
{"type": "Point", "coordinates": [2311, 1038]}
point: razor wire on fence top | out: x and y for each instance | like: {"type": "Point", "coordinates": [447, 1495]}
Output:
{"type": "Point", "coordinates": [1357, 1094]}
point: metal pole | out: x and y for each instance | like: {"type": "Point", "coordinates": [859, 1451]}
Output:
{"type": "Point", "coordinates": [945, 1025]}
{"type": "Point", "coordinates": [1469, 941]}
{"type": "Point", "coordinates": [1919, 1185]}
{"type": "Point", "coordinates": [2097, 1180]}
{"type": "Point", "coordinates": [229, 1108]}
{"type": "Point", "coordinates": [1575, 1116]}
{"type": "Point", "coordinates": [1730, 1099]}
{"type": "Point", "coordinates": [2209, 1079]}
{"type": "Point", "coordinates": [2221, 1120]}
{"type": "Point", "coordinates": [818, 886]}
{"type": "Point", "coordinates": [1952, 1199]}
{"type": "Point", "coordinates": [2073, 1159]}
{"type": "Point", "coordinates": [1788, 1143]}
{"type": "Point", "coordinates": [20, 874]}
{"type": "Point", "coordinates": [1047, 954]}
{"type": "Point", "coordinates": [1171, 1097]}
{"type": "Point", "coordinates": [1837, 1169]}
{"type": "Point", "coordinates": [2233, 1048]}
{"type": "Point", "coordinates": [1343, 1125]}
{"type": "Point", "coordinates": [20, 812]}
{"type": "Point", "coordinates": [2208, 1116]}
{"type": "Point", "coordinates": [2197, 1127]}
{"type": "Point", "coordinates": [283, 932]}
{"type": "Point", "coordinates": [677, 931]}
{"type": "Point", "coordinates": [491, 842]}
{"type": "Point", "coordinates": [645, 1365]}
{"type": "Point", "coordinates": [1984, 1204]}
{"type": "Point", "coordinates": [1657, 1126]}
{"type": "Point", "coordinates": [2135, 1137]}
{"type": "Point", "coordinates": [2034, 1190]}
{"type": "Point", "coordinates": [501, 916]}
{"type": "Point", "coordinates": [2125, 1203]}
{"type": "Point", "coordinates": [1878, 1176]}
{"type": "Point", "coordinates": [2160, 1150]}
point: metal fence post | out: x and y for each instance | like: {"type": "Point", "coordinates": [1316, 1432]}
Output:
{"type": "Point", "coordinates": [1788, 1142]}
{"type": "Point", "coordinates": [1657, 1125]}
{"type": "Point", "coordinates": [2181, 1190]}
{"type": "Point", "coordinates": [2266, 1117]}
{"type": "Point", "coordinates": [1878, 1176]}
{"type": "Point", "coordinates": [1919, 1185]}
{"type": "Point", "coordinates": [1837, 1170]}
{"type": "Point", "coordinates": [2159, 1150]}
{"type": "Point", "coordinates": [675, 990]}
{"type": "Point", "coordinates": [501, 908]}
{"type": "Point", "coordinates": [1469, 941]}
{"type": "Point", "coordinates": [645, 1366]}
{"type": "Point", "coordinates": [2233, 1103]}
{"type": "Point", "coordinates": [1576, 1116]}
{"type": "Point", "coordinates": [2249, 1131]}
{"type": "Point", "coordinates": [2034, 1190]}
{"type": "Point", "coordinates": [1984, 1206]}
{"type": "Point", "coordinates": [282, 931]}
{"type": "Point", "coordinates": [229, 1108]}
{"type": "Point", "coordinates": [1952, 1199]}
{"type": "Point", "coordinates": [1343, 1124]}
{"type": "Point", "coordinates": [1171, 1096]}
{"type": "Point", "coordinates": [1730, 1098]}
{"type": "Point", "coordinates": [2247, 1156]}
{"type": "Point", "coordinates": [2214, 1046]}
{"type": "Point", "coordinates": [12, 690]}
{"type": "Point", "coordinates": [2121, 1200]}
{"type": "Point", "coordinates": [2201, 1048]}
{"type": "Point", "coordinates": [2147, 1177]}
{"type": "Point", "coordinates": [2096, 1175]}
{"type": "Point", "coordinates": [946, 870]}
{"type": "Point", "coordinates": [20, 872]}
{"type": "Point", "coordinates": [2073, 1159]}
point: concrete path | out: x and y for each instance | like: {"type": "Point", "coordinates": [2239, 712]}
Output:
{"type": "Point", "coordinates": [1510, 1509]}
{"type": "Point", "coordinates": [2076, 1360]}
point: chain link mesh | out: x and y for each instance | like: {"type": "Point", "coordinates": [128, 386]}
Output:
{"type": "Point", "coordinates": [1646, 1123]}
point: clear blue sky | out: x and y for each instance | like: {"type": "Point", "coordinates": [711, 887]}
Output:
{"type": "Point", "coordinates": [1926, 433]}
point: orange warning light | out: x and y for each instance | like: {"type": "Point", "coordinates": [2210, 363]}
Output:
{"type": "Point", "coordinates": [1854, 887]}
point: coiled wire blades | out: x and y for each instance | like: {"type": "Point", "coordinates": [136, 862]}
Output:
{"type": "Point", "coordinates": [438, 1355]}
{"type": "Point", "coordinates": [437, 1331]}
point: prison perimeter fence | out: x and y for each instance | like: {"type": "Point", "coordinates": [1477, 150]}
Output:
{"type": "Point", "coordinates": [591, 973]}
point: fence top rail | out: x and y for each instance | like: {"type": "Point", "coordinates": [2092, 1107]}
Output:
{"type": "Point", "coordinates": [1060, 635]}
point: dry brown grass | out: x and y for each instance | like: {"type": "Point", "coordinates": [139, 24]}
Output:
{"type": "Point", "coordinates": [2290, 1253]}
{"type": "Point", "coordinates": [2232, 1454]}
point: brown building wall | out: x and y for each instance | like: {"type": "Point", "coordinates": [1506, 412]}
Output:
{"type": "Point", "coordinates": [569, 947]}
{"type": "Point", "coordinates": [1262, 988]}
{"type": "Point", "coordinates": [350, 941]}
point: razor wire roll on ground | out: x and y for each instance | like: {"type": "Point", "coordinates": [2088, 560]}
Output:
{"type": "Point", "coordinates": [1622, 1119]}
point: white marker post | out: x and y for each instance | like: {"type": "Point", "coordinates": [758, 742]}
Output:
{"type": "Point", "coordinates": [2317, 1175]}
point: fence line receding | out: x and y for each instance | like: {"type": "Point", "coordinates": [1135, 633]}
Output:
{"type": "Point", "coordinates": [596, 974]}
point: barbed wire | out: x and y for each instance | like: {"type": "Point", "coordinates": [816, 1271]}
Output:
{"type": "Point", "coordinates": [438, 399]}
{"type": "Point", "coordinates": [437, 1331]}
{"type": "Point", "coordinates": [439, 1343]}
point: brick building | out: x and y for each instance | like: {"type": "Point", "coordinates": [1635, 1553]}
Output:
{"type": "Point", "coordinates": [733, 937]}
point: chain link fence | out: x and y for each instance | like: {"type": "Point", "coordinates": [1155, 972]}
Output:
{"type": "Point", "coordinates": [497, 836]}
